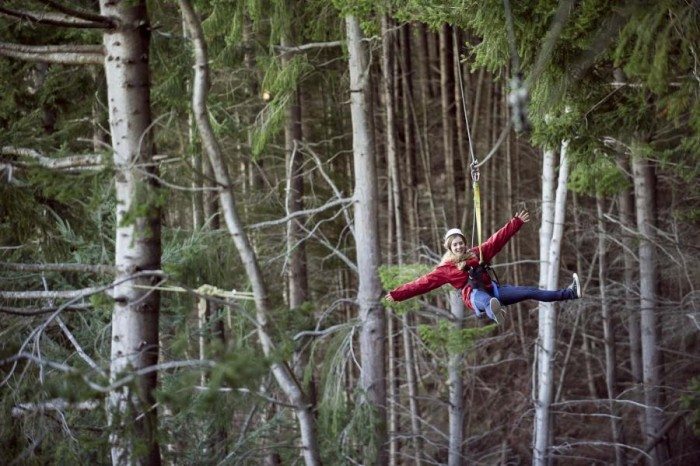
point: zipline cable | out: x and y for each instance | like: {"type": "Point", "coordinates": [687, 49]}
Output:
{"type": "Point", "coordinates": [474, 166]}
{"type": "Point", "coordinates": [517, 98]}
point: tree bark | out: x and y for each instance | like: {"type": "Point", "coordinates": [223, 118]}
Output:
{"type": "Point", "coordinates": [609, 339]}
{"type": "Point", "coordinates": [455, 386]}
{"type": "Point", "coordinates": [447, 106]}
{"type": "Point", "coordinates": [395, 221]}
{"type": "Point", "coordinates": [409, 132]}
{"type": "Point", "coordinates": [651, 358]}
{"type": "Point", "coordinates": [138, 248]}
{"type": "Point", "coordinates": [632, 309]}
{"type": "Point", "coordinates": [547, 318]}
{"type": "Point", "coordinates": [372, 333]}
{"type": "Point", "coordinates": [283, 375]}
{"type": "Point", "coordinates": [296, 248]}
{"type": "Point", "coordinates": [547, 222]}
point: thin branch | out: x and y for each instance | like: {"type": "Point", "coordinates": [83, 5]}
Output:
{"type": "Point", "coordinates": [57, 404]}
{"type": "Point", "coordinates": [36, 311]}
{"type": "Point", "coordinates": [52, 19]}
{"type": "Point", "coordinates": [246, 391]}
{"type": "Point", "coordinates": [63, 54]}
{"type": "Point", "coordinates": [321, 333]}
{"type": "Point", "coordinates": [651, 443]}
{"type": "Point", "coordinates": [59, 267]}
{"type": "Point", "coordinates": [629, 402]}
{"type": "Point", "coordinates": [66, 294]}
{"type": "Point", "coordinates": [62, 163]}
{"type": "Point", "coordinates": [309, 46]}
{"type": "Point", "coordinates": [114, 385]}
{"type": "Point", "coordinates": [301, 213]}
{"type": "Point", "coordinates": [81, 14]}
{"type": "Point", "coordinates": [36, 333]}
{"type": "Point", "coordinates": [79, 348]}
{"type": "Point", "coordinates": [329, 180]}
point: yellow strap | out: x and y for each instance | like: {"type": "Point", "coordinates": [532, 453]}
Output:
{"type": "Point", "coordinates": [477, 213]}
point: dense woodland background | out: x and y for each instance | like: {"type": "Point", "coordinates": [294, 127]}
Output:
{"type": "Point", "coordinates": [203, 203]}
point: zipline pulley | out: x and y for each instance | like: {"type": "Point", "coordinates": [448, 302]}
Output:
{"type": "Point", "coordinates": [475, 170]}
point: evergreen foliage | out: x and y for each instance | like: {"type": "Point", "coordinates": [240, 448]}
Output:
{"type": "Point", "coordinates": [618, 79]}
{"type": "Point", "coordinates": [445, 339]}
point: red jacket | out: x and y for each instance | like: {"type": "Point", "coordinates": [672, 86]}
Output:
{"type": "Point", "coordinates": [448, 272]}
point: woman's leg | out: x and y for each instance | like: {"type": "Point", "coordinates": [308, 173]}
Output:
{"type": "Point", "coordinates": [511, 294]}
{"type": "Point", "coordinates": [480, 301]}
{"type": "Point", "coordinates": [484, 302]}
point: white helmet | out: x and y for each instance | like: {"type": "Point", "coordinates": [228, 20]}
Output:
{"type": "Point", "coordinates": [453, 232]}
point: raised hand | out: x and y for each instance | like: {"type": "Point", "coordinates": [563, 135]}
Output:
{"type": "Point", "coordinates": [523, 215]}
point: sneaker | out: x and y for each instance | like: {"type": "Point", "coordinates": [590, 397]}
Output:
{"type": "Point", "coordinates": [493, 307]}
{"type": "Point", "coordinates": [576, 287]}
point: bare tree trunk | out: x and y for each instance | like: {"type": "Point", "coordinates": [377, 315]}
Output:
{"type": "Point", "coordinates": [434, 61]}
{"type": "Point", "coordinates": [138, 247]}
{"type": "Point", "coordinates": [547, 222]}
{"type": "Point", "coordinates": [395, 215]}
{"type": "Point", "coordinates": [296, 248]}
{"type": "Point", "coordinates": [409, 131]}
{"type": "Point", "coordinates": [455, 386]}
{"type": "Point", "coordinates": [547, 322]}
{"type": "Point", "coordinates": [588, 362]}
{"type": "Point", "coordinates": [609, 339]}
{"type": "Point", "coordinates": [424, 64]}
{"type": "Point", "coordinates": [393, 395]}
{"type": "Point", "coordinates": [373, 331]}
{"type": "Point", "coordinates": [388, 41]}
{"type": "Point", "coordinates": [421, 135]}
{"type": "Point", "coordinates": [191, 148]}
{"type": "Point", "coordinates": [447, 105]}
{"type": "Point", "coordinates": [651, 358]}
{"type": "Point", "coordinates": [626, 206]}
{"type": "Point", "coordinates": [411, 382]}
{"type": "Point", "coordinates": [281, 371]}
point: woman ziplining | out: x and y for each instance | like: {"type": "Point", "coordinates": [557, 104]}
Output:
{"type": "Point", "coordinates": [468, 270]}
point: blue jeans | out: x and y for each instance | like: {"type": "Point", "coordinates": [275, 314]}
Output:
{"type": "Point", "coordinates": [511, 294]}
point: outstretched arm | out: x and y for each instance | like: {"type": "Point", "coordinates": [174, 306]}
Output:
{"type": "Point", "coordinates": [495, 243]}
{"type": "Point", "coordinates": [421, 285]}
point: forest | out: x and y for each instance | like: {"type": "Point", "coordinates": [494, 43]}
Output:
{"type": "Point", "coordinates": [206, 204]}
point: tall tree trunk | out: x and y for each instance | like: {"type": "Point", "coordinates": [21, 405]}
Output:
{"type": "Point", "coordinates": [283, 375]}
{"type": "Point", "coordinates": [547, 320]}
{"type": "Point", "coordinates": [455, 386]}
{"type": "Point", "coordinates": [423, 53]}
{"type": "Point", "coordinates": [412, 385]}
{"type": "Point", "coordinates": [651, 360]}
{"type": "Point", "coordinates": [395, 219]}
{"type": "Point", "coordinates": [460, 99]}
{"type": "Point", "coordinates": [388, 41]}
{"type": "Point", "coordinates": [192, 149]}
{"type": "Point", "coordinates": [296, 249]}
{"type": "Point", "coordinates": [409, 131]}
{"type": "Point", "coordinates": [421, 135]}
{"type": "Point", "coordinates": [547, 222]}
{"type": "Point", "coordinates": [609, 339]}
{"type": "Point", "coordinates": [372, 333]}
{"type": "Point", "coordinates": [447, 105]}
{"type": "Point", "coordinates": [393, 394]}
{"type": "Point", "coordinates": [632, 310]}
{"type": "Point", "coordinates": [138, 247]}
